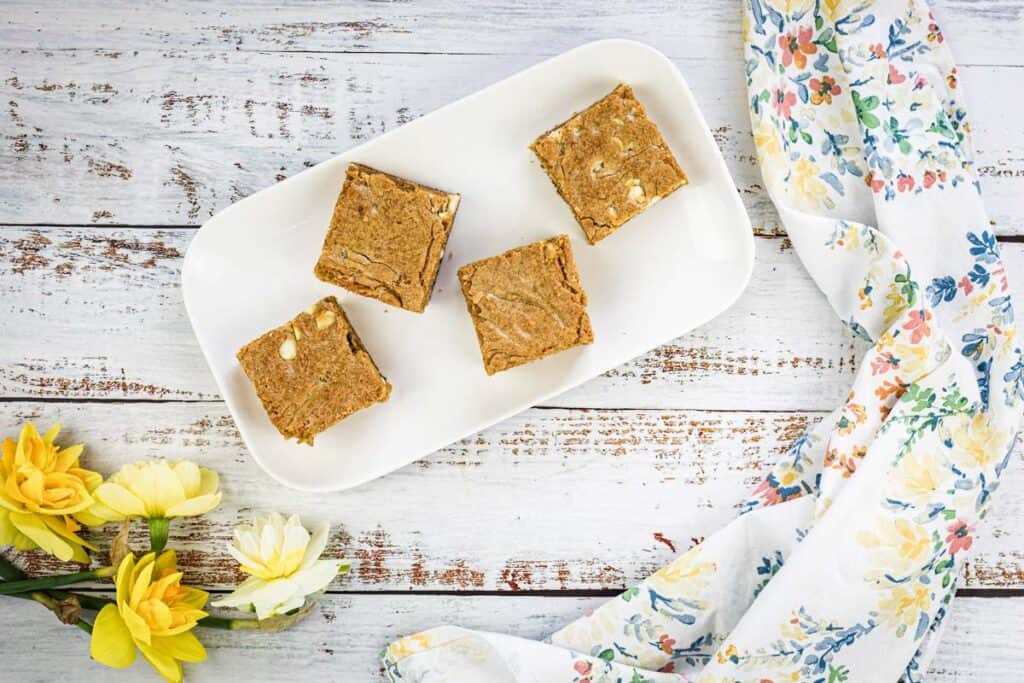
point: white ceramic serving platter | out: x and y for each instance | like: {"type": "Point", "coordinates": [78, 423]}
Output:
{"type": "Point", "coordinates": [674, 267]}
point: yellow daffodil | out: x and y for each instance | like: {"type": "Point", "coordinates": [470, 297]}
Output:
{"type": "Point", "coordinates": [283, 562]}
{"type": "Point", "coordinates": [158, 491]}
{"type": "Point", "coordinates": [42, 490]}
{"type": "Point", "coordinates": [153, 614]}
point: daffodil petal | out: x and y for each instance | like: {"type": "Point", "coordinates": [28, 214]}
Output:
{"type": "Point", "coordinates": [209, 482]}
{"type": "Point", "coordinates": [167, 489]}
{"type": "Point", "coordinates": [188, 475]}
{"type": "Point", "coordinates": [191, 507]}
{"type": "Point", "coordinates": [317, 543]}
{"type": "Point", "coordinates": [111, 642]}
{"type": "Point", "coordinates": [120, 499]}
{"type": "Point", "coordinates": [183, 646]}
{"type": "Point", "coordinates": [165, 665]}
{"type": "Point", "coordinates": [267, 599]}
{"type": "Point", "coordinates": [35, 529]}
{"type": "Point", "coordinates": [317, 577]}
{"type": "Point", "coordinates": [138, 627]}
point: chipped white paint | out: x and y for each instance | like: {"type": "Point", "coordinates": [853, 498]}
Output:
{"type": "Point", "coordinates": [99, 315]}
{"type": "Point", "coordinates": [196, 131]}
{"type": "Point", "coordinates": [552, 499]}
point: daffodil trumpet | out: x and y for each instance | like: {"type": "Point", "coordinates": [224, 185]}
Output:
{"type": "Point", "coordinates": [46, 582]}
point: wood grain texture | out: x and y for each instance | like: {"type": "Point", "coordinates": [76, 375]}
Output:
{"type": "Point", "coordinates": [169, 138]}
{"type": "Point", "coordinates": [97, 313]}
{"type": "Point", "coordinates": [552, 499]}
{"type": "Point", "coordinates": [343, 640]}
{"type": "Point", "coordinates": [984, 32]}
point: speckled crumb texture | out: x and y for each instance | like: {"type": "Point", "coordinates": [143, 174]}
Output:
{"type": "Point", "coordinates": [526, 303]}
{"type": "Point", "coordinates": [609, 163]}
{"type": "Point", "coordinates": [312, 372]}
{"type": "Point", "coordinates": [387, 238]}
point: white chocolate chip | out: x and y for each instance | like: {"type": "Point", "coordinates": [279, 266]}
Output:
{"type": "Point", "coordinates": [325, 319]}
{"type": "Point", "coordinates": [596, 167]}
{"type": "Point", "coordinates": [296, 332]}
{"type": "Point", "coordinates": [636, 194]}
{"type": "Point", "coordinates": [617, 142]}
{"type": "Point", "coordinates": [612, 212]}
{"type": "Point", "coordinates": [654, 200]}
{"type": "Point", "coordinates": [312, 309]}
{"type": "Point", "coordinates": [288, 348]}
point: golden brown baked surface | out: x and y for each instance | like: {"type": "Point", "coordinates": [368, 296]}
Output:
{"type": "Point", "coordinates": [609, 163]}
{"type": "Point", "coordinates": [387, 237]}
{"type": "Point", "coordinates": [526, 303]}
{"type": "Point", "coordinates": [312, 372]}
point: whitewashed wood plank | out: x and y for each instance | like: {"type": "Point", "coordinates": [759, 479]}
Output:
{"type": "Point", "coordinates": [344, 639]}
{"type": "Point", "coordinates": [97, 313]}
{"type": "Point", "coordinates": [551, 499]}
{"type": "Point", "coordinates": [983, 32]}
{"type": "Point", "coordinates": [169, 138]}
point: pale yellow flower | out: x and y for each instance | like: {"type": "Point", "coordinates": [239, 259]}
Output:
{"type": "Point", "coordinates": [157, 489]}
{"type": "Point", "coordinates": [42, 490]}
{"type": "Point", "coordinates": [686, 576]}
{"type": "Point", "coordinates": [901, 605]}
{"type": "Point", "coordinates": [769, 151]}
{"type": "Point", "coordinates": [897, 546]}
{"type": "Point", "coordinates": [153, 613]}
{"type": "Point", "coordinates": [913, 360]}
{"type": "Point", "coordinates": [978, 443]}
{"type": "Point", "coordinates": [918, 478]}
{"type": "Point", "coordinates": [284, 565]}
{"type": "Point", "coordinates": [807, 188]}
{"type": "Point", "coordinates": [409, 645]}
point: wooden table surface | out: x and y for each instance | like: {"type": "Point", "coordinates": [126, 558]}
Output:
{"type": "Point", "coordinates": [124, 129]}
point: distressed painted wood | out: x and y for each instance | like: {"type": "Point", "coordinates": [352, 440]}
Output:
{"type": "Point", "coordinates": [983, 32]}
{"type": "Point", "coordinates": [169, 138]}
{"type": "Point", "coordinates": [343, 640]}
{"type": "Point", "coordinates": [552, 499]}
{"type": "Point", "coordinates": [97, 313]}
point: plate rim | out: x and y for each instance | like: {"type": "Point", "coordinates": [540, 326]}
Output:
{"type": "Point", "coordinates": [746, 241]}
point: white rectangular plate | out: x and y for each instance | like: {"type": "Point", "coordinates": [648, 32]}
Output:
{"type": "Point", "coordinates": [674, 267]}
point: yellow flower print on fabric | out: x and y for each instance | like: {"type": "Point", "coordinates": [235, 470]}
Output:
{"type": "Point", "coordinates": [918, 477]}
{"type": "Point", "coordinates": [806, 187]}
{"type": "Point", "coordinates": [686, 577]}
{"type": "Point", "coordinates": [900, 606]}
{"type": "Point", "coordinates": [896, 546]}
{"type": "Point", "coordinates": [977, 444]}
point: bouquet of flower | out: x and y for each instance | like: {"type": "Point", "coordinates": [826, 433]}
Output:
{"type": "Point", "coordinates": [47, 497]}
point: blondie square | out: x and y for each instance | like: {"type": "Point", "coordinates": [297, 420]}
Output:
{"type": "Point", "coordinates": [312, 372]}
{"type": "Point", "coordinates": [609, 163]}
{"type": "Point", "coordinates": [526, 304]}
{"type": "Point", "coordinates": [387, 237]}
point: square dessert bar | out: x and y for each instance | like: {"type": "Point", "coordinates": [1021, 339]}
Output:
{"type": "Point", "coordinates": [312, 372]}
{"type": "Point", "coordinates": [387, 237]}
{"type": "Point", "coordinates": [526, 304]}
{"type": "Point", "coordinates": [609, 163]}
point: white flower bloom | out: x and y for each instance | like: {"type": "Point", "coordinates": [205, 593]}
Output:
{"type": "Point", "coordinates": [284, 565]}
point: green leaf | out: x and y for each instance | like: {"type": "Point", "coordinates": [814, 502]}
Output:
{"type": "Point", "coordinates": [607, 655]}
{"type": "Point", "coordinates": [806, 137]}
{"type": "Point", "coordinates": [869, 119]}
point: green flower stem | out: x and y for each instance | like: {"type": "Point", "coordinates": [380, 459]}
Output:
{"type": "Point", "coordinates": [8, 572]}
{"type": "Point", "coordinates": [158, 533]}
{"type": "Point", "coordinates": [268, 625]}
{"type": "Point", "coordinates": [43, 583]}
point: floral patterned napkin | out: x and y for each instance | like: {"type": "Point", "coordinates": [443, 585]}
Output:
{"type": "Point", "coordinates": [844, 560]}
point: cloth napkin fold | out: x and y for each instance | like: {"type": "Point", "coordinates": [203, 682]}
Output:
{"type": "Point", "coordinates": [844, 560]}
